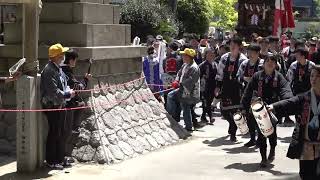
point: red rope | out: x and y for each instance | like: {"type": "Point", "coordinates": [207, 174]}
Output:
{"type": "Point", "coordinates": [75, 108]}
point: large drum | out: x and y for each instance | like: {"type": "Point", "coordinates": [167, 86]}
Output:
{"type": "Point", "coordinates": [262, 117]}
{"type": "Point", "coordinates": [241, 123]}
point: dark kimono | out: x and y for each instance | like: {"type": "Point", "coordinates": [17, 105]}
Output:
{"type": "Point", "coordinates": [248, 70]}
{"type": "Point", "coordinates": [73, 117]}
{"type": "Point", "coordinates": [208, 72]}
{"type": "Point", "coordinates": [299, 77]}
{"type": "Point", "coordinates": [271, 89]}
{"type": "Point", "coordinates": [299, 104]}
{"type": "Point", "coordinates": [74, 84]}
{"type": "Point", "coordinates": [230, 88]}
{"type": "Point", "coordinates": [305, 143]}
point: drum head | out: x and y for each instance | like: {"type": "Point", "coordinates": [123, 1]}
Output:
{"type": "Point", "coordinates": [237, 116]}
{"type": "Point", "coordinates": [257, 106]}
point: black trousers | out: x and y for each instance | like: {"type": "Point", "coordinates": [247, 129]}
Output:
{"type": "Point", "coordinates": [207, 100]}
{"type": "Point", "coordinates": [72, 125]}
{"type": "Point", "coordinates": [308, 169]}
{"type": "Point", "coordinates": [252, 125]}
{"type": "Point", "coordinates": [228, 115]}
{"type": "Point", "coordinates": [55, 145]}
{"type": "Point", "coordinates": [262, 142]}
{"type": "Point", "coordinates": [193, 114]}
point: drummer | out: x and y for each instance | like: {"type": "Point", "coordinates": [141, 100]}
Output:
{"type": "Point", "coordinates": [227, 84]}
{"type": "Point", "coordinates": [305, 144]}
{"type": "Point", "coordinates": [271, 86]}
{"type": "Point", "coordinates": [245, 73]}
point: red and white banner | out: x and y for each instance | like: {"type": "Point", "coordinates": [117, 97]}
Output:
{"type": "Point", "coordinates": [283, 17]}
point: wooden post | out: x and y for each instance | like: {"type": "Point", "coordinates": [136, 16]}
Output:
{"type": "Point", "coordinates": [30, 37]}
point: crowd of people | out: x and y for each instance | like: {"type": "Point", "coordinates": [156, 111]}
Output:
{"type": "Point", "coordinates": [283, 73]}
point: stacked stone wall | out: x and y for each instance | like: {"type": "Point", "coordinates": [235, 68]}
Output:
{"type": "Point", "coordinates": [126, 121]}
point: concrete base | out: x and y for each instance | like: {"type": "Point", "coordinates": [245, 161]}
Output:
{"type": "Point", "coordinates": [97, 53]}
{"type": "Point", "coordinates": [29, 150]}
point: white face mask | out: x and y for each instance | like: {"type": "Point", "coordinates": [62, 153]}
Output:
{"type": "Point", "coordinates": [63, 60]}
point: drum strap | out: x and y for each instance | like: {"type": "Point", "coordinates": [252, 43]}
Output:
{"type": "Point", "coordinates": [231, 68]}
{"type": "Point", "coordinates": [299, 74]}
{"type": "Point", "coordinates": [249, 70]}
{"type": "Point", "coordinates": [262, 81]}
{"type": "Point", "coordinates": [306, 110]}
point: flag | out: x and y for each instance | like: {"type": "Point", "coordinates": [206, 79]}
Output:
{"type": "Point", "coordinates": [288, 14]}
{"type": "Point", "coordinates": [283, 17]}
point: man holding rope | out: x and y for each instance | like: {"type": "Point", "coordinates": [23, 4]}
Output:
{"type": "Point", "coordinates": [54, 94]}
{"type": "Point", "coordinates": [187, 89]}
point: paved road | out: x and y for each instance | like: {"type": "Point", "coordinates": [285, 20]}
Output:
{"type": "Point", "coordinates": [207, 155]}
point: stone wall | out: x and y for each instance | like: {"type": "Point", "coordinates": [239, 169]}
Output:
{"type": "Point", "coordinates": [8, 121]}
{"type": "Point", "coordinates": [89, 26]}
{"type": "Point", "coordinates": [126, 121]}
{"type": "Point", "coordinates": [8, 93]}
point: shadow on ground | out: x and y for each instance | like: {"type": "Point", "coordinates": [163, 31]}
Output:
{"type": "Point", "coordinates": [4, 160]}
{"type": "Point", "coordinates": [43, 173]}
{"type": "Point", "coordinates": [254, 167]}
{"type": "Point", "coordinates": [241, 149]}
{"type": "Point", "coordinates": [220, 142]}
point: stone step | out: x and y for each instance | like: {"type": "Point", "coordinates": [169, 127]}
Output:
{"type": "Point", "coordinates": [91, 13]}
{"type": "Point", "coordinates": [81, 35]}
{"type": "Point", "coordinates": [97, 53]}
{"type": "Point", "coordinates": [107, 59]}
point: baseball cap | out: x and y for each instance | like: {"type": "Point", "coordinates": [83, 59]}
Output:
{"type": "Point", "coordinates": [56, 50]}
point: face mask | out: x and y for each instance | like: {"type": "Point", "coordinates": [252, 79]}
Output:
{"type": "Point", "coordinates": [63, 60]}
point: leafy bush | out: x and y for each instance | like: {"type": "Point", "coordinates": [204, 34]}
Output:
{"type": "Point", "coordinates": [223, 13]}
{"type": "Point", "coordinates": [193, 14]}
{"type": "Point", "coordinates": [149, 18]}
{"type": "Point", "coordinates": [312, 31]}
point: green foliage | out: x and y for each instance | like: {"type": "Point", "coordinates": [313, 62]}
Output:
{"type": "Point", "coordinates": [152, 17]}
{"type": "Point", "coordinates": [148, 18]}
{"type": "Point", "coordinates": [223, 13]}
{"type": "Point", "coordinates": [312, 30]}
{"type": "Point", "coordinates": [193, 15]}
{"type": "Point", "coordinates": [167, 29]}
{"type": "Point", "coordinates": [317, 7]}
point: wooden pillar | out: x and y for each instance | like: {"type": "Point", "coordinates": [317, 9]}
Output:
{"type": "Point", "coordinates": [30, 36]}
